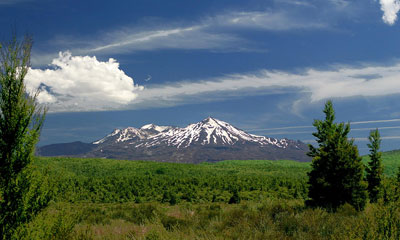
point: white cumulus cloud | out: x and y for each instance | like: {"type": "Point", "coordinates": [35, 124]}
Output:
{"type": "Point", "coordinates": [390, 9]}
{"type": "Point", "coordinates": [82, 83]}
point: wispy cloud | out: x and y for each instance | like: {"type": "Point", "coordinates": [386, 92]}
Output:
{"type": "Point", "coordinates": [285, 132]}
{"type": "Point", "coordinates": [340, 3]}
{"type": "Point", "coordinates": [214, 32]}
{"type": "Point", "coordinates": [296, 2]}
{"type": "Point", "coordinates": [390, 9]}
{"type": "Point", "coordinates": [289, 128]}
{"type": "Point", "coordinates": [362, 139]}
{"type": "Point", "coordinates": [209, 33]}
{"type": "Point", "coordinates": [379, 128]}
{"type": "Point", "coordinates": [311, 131]}
{"type": "Point", "coordinates": [315, 85]}
{"type": "Point", "coordinates": [266, 20]}
{"type": "Point", "coordinates": [279, 128]}
{"type": "Point", "coordinates": [193, 37]}
{"type": "Point", "coordinates": [133, 39]}
{"type": "Point", "coordinates": [383, 138]}
{"type": "Point", "coordinates": [127, 40]}
{"type": "Point", "coordinates": [376, 121]}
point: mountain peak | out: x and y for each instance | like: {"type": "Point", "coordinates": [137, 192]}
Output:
{"type": "Point", "coordinates": [148, 126]}
{"type": "Point", "coordinates": [211, 121]}
{"type": "Point", "coordinates": [208, 119]}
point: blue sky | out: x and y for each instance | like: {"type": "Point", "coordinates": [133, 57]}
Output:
{"type": "Point", "coordinates": [266, 67]}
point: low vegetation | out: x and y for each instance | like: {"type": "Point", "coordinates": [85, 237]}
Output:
{"type": "Point", "coordinates": [268, 219]}
{"type": "Point", "coordinates": [109, 181]}
{"type": "Point", "coordinates": [116, 199]}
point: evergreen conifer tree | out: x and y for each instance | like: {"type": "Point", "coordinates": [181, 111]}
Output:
{"type": "Point", "coordinates": [21, 119]}
{"type": "Point", "coordinates": [337, 175]}
{"type": "Point", "coordinates": [375, 168]}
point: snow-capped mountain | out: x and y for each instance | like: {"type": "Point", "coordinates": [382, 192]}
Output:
{"type": "Point", "coordinates": [209, 131]}
{"type": "Point", "coordinates": [208, 140]}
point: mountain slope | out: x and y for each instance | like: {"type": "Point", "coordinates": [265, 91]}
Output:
{"type": "Point", "coordinates": [65, 149]}
{"type": "Point", "coordinates": [208, 140]}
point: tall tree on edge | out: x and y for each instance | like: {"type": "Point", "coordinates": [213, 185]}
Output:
{"type": "Point", "coordinates": [21, 119]}
{"type": "Point", "coordinates": [337, 175]}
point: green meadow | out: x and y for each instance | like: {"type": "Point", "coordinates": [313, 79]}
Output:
{"type": "Point", "coordinates": [255, 199]}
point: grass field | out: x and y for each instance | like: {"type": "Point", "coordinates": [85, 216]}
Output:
{"type": "Point", "coordinates": [117, 199]}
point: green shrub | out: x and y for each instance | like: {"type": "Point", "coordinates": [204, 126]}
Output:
{"type": "Point", "coordinates": [52, 223]}
{"type": "Point", "coordinates": [144, 213]}
{"type": "Point", "coordinates": [153, 235]}
{"type": "Point", "coordinates": [173, 223]}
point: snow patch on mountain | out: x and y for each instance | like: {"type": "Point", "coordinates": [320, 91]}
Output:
{"type": "Point", "coordinates": [115, 132]}
{"type": "Point", "coordinates": [130, 133]}
{"type": "Point", "coordinates": [155, 127]}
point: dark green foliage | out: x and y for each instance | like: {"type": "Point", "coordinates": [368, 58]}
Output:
{"type": "Point", "coordinates": [172, 199]}
{"type": "Point", "coordinates": [337, 175]}
{"type": "Point", "coordinates": [21, 119]}
{"type": "Point", "coordinates": [375, 168]}
{"type": "Point", "coordinates": [169, 197]}
{"type": "Point", "coordinates": [235, 197]}
{"type": "Point", "coordinates": [166, 197]}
